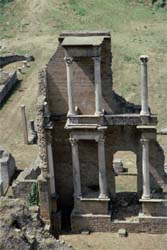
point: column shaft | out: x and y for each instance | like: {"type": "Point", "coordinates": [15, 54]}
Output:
{"type": "Point", "coordinates": [102, 170]}
{"type": "Point", "coordinates": [145, 169]}
{"type": "Point", "coordinates": [76, 168]}
{"type": "Point", "coordinates": [51, 169]}
{"type": "Point", "coordinates": [144, 86]}
{"type": "Point", "coordinates": [70, 86]}
{"type": "Point", "coordinates": [98, 91]}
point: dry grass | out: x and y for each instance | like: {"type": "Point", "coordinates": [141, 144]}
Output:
{"type": "Point", "coordinates": [110, 241]}
{"type": "Point", "coordinates": [33, 27]}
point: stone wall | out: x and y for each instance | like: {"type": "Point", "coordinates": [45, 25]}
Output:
{"type": "Point", "coordinates": [83, 77]}
{"type": "Point", "coordinates": [7, 86]}
{"type": "Point", "coordinates": [43, 179]}
{"type": "Point", "coordinates": [22, 185]}
{"type": "Point", "coordinates": [5, 60]}
{"type": "Point", "coordinates": [7, 170]}
{"type": "Point", "coordinates": [101, 223]}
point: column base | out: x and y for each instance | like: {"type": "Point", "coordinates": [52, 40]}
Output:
{"type": "Point", "coordinates": [145, 113]}
{"type": "Point", "coordinates": [69, 114]}
{"type": "Point", "coordinates": [77, 196]}
{"type": "Point", "coordinates": [146, 197]}
{"type": "Point", "coordinates": [103, 196]}
{"type": "Point", "coordinates": [100, 113]}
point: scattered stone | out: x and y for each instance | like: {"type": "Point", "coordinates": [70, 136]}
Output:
{"type": "Point", "coordinates": [85, 232]}
{"type": "Point", "coordinates": [122, 232]}
{"type": "Point", "coordinates": [7, 170]}
{"type": "Point", "coordinates": [19, 231]}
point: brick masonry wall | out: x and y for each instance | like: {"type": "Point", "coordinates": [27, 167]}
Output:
{"type": "Point", "coordinates": [104, 224]}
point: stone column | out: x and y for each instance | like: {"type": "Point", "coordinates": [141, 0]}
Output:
{"type": "Point", "coordinates": [144, 86]}
{"type": "Point", "coordinates": [24, 122]}
{"type": "Point", "coordinates": [76, 168]}
{"type": "Point", "coordinates": [145, 169]}
{"type": "Point", "coordinates": [51, 169]}
{"type": "Point", "coordinates": [102, 169]}
{"type": "Point", "coordinates": [98, 91]}
{"type": "Point", "coordinates": [70, 91]}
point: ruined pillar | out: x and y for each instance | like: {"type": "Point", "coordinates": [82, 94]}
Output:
{"type": "Point", "coordinates": [98, 91]}
{"type": "Point", "coordinates": [24, 122]}
{"type": "Point", "coordinates": [69, 61]}
{"type": "Point", "coordinates": [76, 168]}
{"type": "Point", "coordinates": [144, 86]}
{"type": "Point", "coordinates": [102, 169]}
{"type": "Point", "coordinates": [145, 168]}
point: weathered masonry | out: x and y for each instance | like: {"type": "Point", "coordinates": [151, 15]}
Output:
{"type": "Point", "coordinates": [82, 123]}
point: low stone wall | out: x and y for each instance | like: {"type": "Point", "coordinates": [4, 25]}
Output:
{"type": "Point", "coordinates": [7, 86]}
{"type": "Point", "coordinates": [7, 170]}
{"type": "Point", "coordinates": [22, 185]}
{"type": "Point", "coordinates": [4, 60]}
{"type": "Point", "coordinates": [103, 223]}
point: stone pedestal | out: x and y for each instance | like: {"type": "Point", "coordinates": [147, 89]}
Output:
{"type": "Point", "coordinates": [91, 206]}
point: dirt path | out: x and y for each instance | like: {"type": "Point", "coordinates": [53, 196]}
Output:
{"type": "Point", "coordinates": [11, 132]}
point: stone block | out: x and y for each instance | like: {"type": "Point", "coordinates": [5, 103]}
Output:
{"type": "Point", "coordinates": [122, 232]}
{"type": "Point", "coordinates": [7, 169]}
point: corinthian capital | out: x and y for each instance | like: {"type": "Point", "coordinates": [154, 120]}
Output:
{"type": "Point", "coordinates": [73, 141]}
{"type": "Point", "coordinates": [144, 141]}
{"type": "Point", "coordinates": [96, 59]}
{"type": "Point", "coordinates": [102, 139]}
{"type": "Point", "coordinates": [144, 59]}
{"type": "Point", "coordinates": [68, 60]}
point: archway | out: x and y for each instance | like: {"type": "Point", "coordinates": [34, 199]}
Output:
{"type": "Point", "coordinates": [126, 205]}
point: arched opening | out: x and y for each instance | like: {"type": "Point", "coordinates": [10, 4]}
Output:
{"type": "Point", "coordinates": [124, 164]}
{"type": "Point", "coordinates": [126, 204]}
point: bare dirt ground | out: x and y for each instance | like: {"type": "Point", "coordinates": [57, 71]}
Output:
{"type": "Point", "coordinates": [111, 241]}
{"type": "Point", "coordinates": [11, 131]}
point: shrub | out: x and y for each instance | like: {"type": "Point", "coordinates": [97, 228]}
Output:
{"type": "Point", "coordinates": [33, 196]}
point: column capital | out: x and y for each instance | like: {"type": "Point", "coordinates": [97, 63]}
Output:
{"type": "Point", "coordinates": [73, 141]}
{"type": "Point", "coordinates": [69, 60]}
{"type": "Point", "coordinates": [101, 139]}
{"type": "Point", "coordinates": [144, 59]}
{"type": "Point", "coordinates": [144, 141]}
{"type": "Point", "coordinates": [96, 58]}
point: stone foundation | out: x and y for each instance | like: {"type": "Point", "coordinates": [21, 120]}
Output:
{"type": "Point", "coordinates": [103, 223]}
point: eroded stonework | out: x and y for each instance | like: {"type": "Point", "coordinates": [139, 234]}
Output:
{"type": "Point", "coordinates": [82, 123]}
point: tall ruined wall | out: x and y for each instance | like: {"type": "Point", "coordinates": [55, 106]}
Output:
{"type": "Point", "coordinates": [83, 68]}
{"type": "Point", "coordinates": [118, 138]}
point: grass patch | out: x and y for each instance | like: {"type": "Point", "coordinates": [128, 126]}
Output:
{"type": "Point", "coordinates": [136, 27]}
